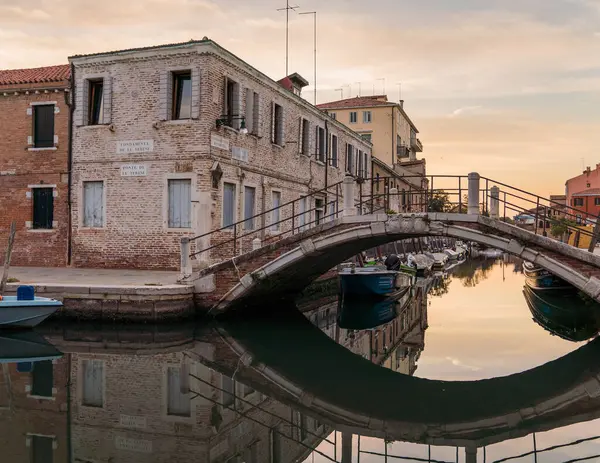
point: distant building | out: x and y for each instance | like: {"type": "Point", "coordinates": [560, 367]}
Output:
{"type": "Point", "coordinates": [180, 140]}
{"type": "Point", "coordinates": [585, 205]}
{"type": "Point", "coordinates": [587, 180]}
{"type": "Point", "coordinates": [410, 188]}
{"type": "Point", "coordinates": [34, 163]}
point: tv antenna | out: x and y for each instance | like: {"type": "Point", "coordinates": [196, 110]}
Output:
{"type": "Point", "coordinates": [287, 32]}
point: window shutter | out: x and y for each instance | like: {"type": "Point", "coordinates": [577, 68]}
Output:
{"type": "Point", "coordinates": [282, 127]}
{"type": "Point", "coordinates": [195, 93]}
{"type": "Point", "coordinates": [81, 102]}
{"type": "Point", "coordinates": [317, 144]}
{"type": "Point", "coordinates": [272, 122]}
{"type": "Point", "coordinates": [165, 96]}
{"type": "Point", "coordinates": [237, 106]}
{"type": "Point", "coordinates": [107, 96]}
{"type": "Point", "coordinates": [249, 113]}
{"type": "Point", "coordinates": [300, 135]}
{"type": "Point", "coordinates": [257, 115]}
{"type": "Point", "coordinates": [225, 97]}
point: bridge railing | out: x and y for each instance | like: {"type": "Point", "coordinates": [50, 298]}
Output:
{"type": "Point", "coordinates": [471, 194]}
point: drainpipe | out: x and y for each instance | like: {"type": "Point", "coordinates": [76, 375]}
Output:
{"type": "Point", "coordinates": [393, 138]}
{"type": "Point", "coordinates": [70, 101]}
{"type": "Point", "coordinates": [326, 163]}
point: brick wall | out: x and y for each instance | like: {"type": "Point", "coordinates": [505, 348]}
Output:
{"type": "Point", "coordinates": [135, 233]}
{"type": "Point", "coordinates": [20, 167]}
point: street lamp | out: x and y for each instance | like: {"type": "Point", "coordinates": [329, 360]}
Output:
{"type": "Point", "coordinates": [227, 120]}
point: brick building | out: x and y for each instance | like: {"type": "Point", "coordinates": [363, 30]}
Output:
{"type": "Point", "coordinates": [177, 140]}
{"type": "Point", "coordinates": [34, 159]}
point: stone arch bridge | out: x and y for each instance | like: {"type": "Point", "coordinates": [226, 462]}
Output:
{"type": "Point", "coordinates": [292, 263]}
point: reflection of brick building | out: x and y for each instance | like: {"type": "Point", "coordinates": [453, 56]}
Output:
{"type": "Point", "coordinates": [129, 408]}
{"type": "Point", "coordinates": [33, 411]}
{"type": "Point", "coordinates": [34, 168]}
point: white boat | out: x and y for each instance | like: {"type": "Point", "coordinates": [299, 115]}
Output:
{"type": "Point", "coordinates": [440, 259]}
{"type": "Point", "coordinates": [452, 254]}
{"type": "Point", "coordinates": [25, 310]}
{"type": "Point", "coordinates": [421, 262]}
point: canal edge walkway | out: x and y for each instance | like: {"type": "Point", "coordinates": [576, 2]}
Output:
{"type": "Point", "coordinates": [109, 295]}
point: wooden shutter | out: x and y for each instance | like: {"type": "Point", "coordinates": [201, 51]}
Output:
{"type": "Point", "coordinates": [43, 126]}
{"type": "Point", "coordinates": [81, 102]}
{"type": "Point", "coordinates": [272, 122]}
{"type": "Point", "coordinates": [249, 207]}
{"type": "Point", "coordinates": [281, 126]}
{"type": "Point", "coordinates": [107, 96]}
{"type": "Point", "coordinates": [237, 105]}
{"type": "Point", "coordinates": [249, 113]}
{"type": "Point", "coordinates": [42, 449]}
{"type": "Point", "coordinates": [195, 93]}
{"type": "Point", "coordinates": [228, 204]}
{"type": "Point", "coordinates": [178, 403]}
{"type": "Point", "coordinates": [93, 383]}
{"type": "Point", "coordinates": [93, 204]}
{"type": "Point", "coordinates": [180, 203]}
{"type": "Point", "coordinates": [166, 95]}
{"type": "Point", "coordinates": [42, 379]}
{"type": "Point", "coordinates": [300, 135]}
{"type": "Point", "coordinates": [43, 208]}
{"type": "Point", "coordinates": [257, 115]}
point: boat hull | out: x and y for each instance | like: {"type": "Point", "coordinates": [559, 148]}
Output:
{"type": "Point", "coordinates": [26, 346]}
{"type": "Point", "coordinates": [539, 279]}
{"type": "Point", "coordinates": [26, 314]}
{"type": "Point", "coordinates": [372, 282]}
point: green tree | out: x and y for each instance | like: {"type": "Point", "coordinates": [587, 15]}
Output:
{"type": "Point", "coordinates": [560, 227]}
{"type": "Point", "coordinates": [440, 202]}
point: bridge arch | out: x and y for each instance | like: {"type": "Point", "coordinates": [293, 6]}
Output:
{"type": "Point", "coordinates": [312, 257]}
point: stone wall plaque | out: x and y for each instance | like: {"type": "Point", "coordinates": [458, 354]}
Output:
{"type": "Point", "coordinates": [135, 146]}
{"type": "Point", "coordinates": [217, 141]}
{"type": "Point", "coordinates": [134, 170]}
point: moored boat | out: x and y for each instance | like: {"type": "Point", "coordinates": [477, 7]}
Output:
{"type": "Point", "coordinates": [25, 310]}
{"type": "Point", "coordinates": [421, 262]}
{"type": "Point", "coordinates": [26, 346]}
{"type": "Point", "coordinates": [452, 254]}
{"type": "Point", "coordinates": [540, 279]}
{"type": "Point", "coordinates": [364, 313]}
{"type": "Point", "coordinates": [372, 281]}
{"type": "Point", "coordinates": [440, 259]}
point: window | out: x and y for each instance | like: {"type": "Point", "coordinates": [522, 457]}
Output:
{"type": "Point", "coordinates": [332, 207]}
{"type": "Point", "coordinates": [232, 103]}
{"type": "Point", "coordinates": [333, 116]}
{"type": "Point", "coordinates": [277, 124]}
{"type": "Point", "coordinates": [360, 161]}
{"type": "Point", "coordinates": [578, 202]}
{"type": "Point", "coordinates": [182, 95]}
{"type": "Point", "coordinates": [303, 214]}
{"type": "Point", "coordinates": [249, 206]}
{"type": "Point", "coordinates": [334, 151]}
{"type": "Point", "coordinates": [596, 202]}
{"type": "Point", "coordinates": [304, 137]}
{"type": "Point", "coordinates": [42, 449]}
{"type": "Point", "coordinates": [365, 164]}
{"type": "Point", "coordinates": [228, 391]}
{"type": "Point", "coordinates": [42, 379]}
{"type": "Point", "coordinates": [366, 137]}
{"type": "Point", "coordinates": [349, 158]}
{"type": "Point", "coordinates": [319, 210]}
{"type": "Point", "coordinates": [93, 204]}
{"type": "Point", "coordinates": [178, 399]}
{"type": "Point", "coordinates": [228, 204]}
{"type": "Point", "coordinates": [252, 111]}
{"type": "Point", "coordinates": [275, 441]}
{"type": "Point", "coordinates": [93, 383]}
{"type": "Point", "coordinates": [96, 102]}
{"type": "Point", "coordinates": [43, 208]}
{"type": "Point", "coordinates": [320, 142]}
{"type": "Point", "coordinates": [276, 213]}
{"type": "Point", "coordinates": [353, 117]}
{"type": "Point", "coordinates": [367, 117]}
{"type": "Point", "coordinates": [43, 126]}
{"type": "Point", "coordinates": [180, 203]}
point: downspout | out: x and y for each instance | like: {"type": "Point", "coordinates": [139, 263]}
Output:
{"type": "Point", "coordinates": [393, 138]}
{"type": "Point", "coordinates": [69, 414]}
{"type": "Point", "coordinates": [326, 165]}
{"type": "Point", "coordinates": [70, 102]}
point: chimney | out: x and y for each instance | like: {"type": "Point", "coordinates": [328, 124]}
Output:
{"type": "Point", "coordinates": [402, 104]}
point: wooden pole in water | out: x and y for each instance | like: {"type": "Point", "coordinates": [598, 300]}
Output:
{"type": "Point", "coordinates": [11, 240]}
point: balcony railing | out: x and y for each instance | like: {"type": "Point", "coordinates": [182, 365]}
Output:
{"type": "Point", "coordinates": [416, 145]}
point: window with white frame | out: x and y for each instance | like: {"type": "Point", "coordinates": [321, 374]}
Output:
{"type": "Point", "coordinates": [181, 103]}
{"type": "Point", "coordinates": [42, 449]}
{"type": "Point", "coordinates": [92, 380]}
{"type": "Point", "coordinates": [276, 212]}
{"type": "Point", "coordinates": [180, 203]}
{"type": "Point", "coordinates": [178, 398]}
{"type": "Point", "coordinates": [229, 195]}
{"type": "Point", "coordinates": [249, 207]}
{"type": "Point", "coordinates": [93, 204]}
{"type": "Point", "coordinates": [333, 159]}
{"type": "Point", "coordinates": [43, 126]}
{"type": "Point", "coordinates": [353, 117]}
{"type": "Point", "coordinates": [304, 137]}
{"type": "Point", "coordinates": [303, 213]}
{"type": "Point", "coordinates": [277, 124]}
{"type": "Point", "coordinates": [319, 210]}
{"type": "Point", "coordinates": [332, 211]}
{"type": "Point", "coordinates": [43, 208]}
{"type": "Point", "coordinates": [95, 101]}
{"type": "Point", "coordinates": [367, 117]}
{"type": "Point", "coordinates": [349, 158]}
{"type": "Point", "coordinates": [231, 103]}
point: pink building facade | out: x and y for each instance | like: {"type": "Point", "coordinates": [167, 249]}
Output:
{"type": "Point", "coordinates": [589, 179]}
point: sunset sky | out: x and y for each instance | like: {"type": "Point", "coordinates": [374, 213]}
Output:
{"type": "Point", "coordinates": [504, 87]}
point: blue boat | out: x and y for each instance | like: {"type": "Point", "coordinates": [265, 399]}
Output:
{"type": "Point", "coordinates": [540, 279]}
{"type": "Point", "coordinates": [372, 281]}
{"type": "Point", "coordinates": [360, 313]}
{"type": "Point", "coordinates": [25, 310]}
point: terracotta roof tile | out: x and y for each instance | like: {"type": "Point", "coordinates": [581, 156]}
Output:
{"type": "Point", "coordinates": [36, 75]}
{"type": "Point", "coordinates": [359, 101]}
{"type": "Point", "coordinates": [590, 192]}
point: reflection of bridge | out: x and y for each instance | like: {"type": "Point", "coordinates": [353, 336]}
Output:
{"type": "Point", "coordinates": [291, 262]}
{"type": "Point", "coordinates": [359, 397]}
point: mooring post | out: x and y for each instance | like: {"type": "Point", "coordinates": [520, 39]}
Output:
{"type": "Point", "coordinates": [349, 186]}
{"type": "Point", "coordinates": [186, 263]}
{"type": "Point", "coordinates": [256, 244]}
{"type": "Point", "coordinates": [473, 193]}
{"type": "Point", "coordinates": [495, 202]}
{"type": "Point", "coordinates": [7, 256]}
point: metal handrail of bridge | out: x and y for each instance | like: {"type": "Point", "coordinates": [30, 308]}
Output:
{"type": "Point", "coordinates": [413, 200]}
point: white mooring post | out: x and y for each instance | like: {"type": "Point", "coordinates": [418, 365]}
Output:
{"type": "Point", "coordinates": [473, 193]}
{"type": "Point", "coordinates": [349, 188]}
{"type": "Point", "coordinates": [256, 244]}
{"type": "Point", "coordinates": [394, 200]}
{"type": "Point", "coordinates": [495, 202]}
{"type": "Point", "coordinates": [186, 263]}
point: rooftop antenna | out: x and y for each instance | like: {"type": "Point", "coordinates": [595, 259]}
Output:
{"type": "Point", "coordinates": [359, 88]}
{"type": "Point", "coordinates": [382, 79]}
{"type": "Point", "coordinates": [287, 32]}
{"type": "Point", "coordinates": [342, 92]}
{"type": "Point", "coordinates": [314, 13]}
{"type": "Point", "coordinates": [399, 84]}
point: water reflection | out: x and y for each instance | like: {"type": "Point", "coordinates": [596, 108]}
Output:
{"type": "Point", "coordinates": [290, 386]}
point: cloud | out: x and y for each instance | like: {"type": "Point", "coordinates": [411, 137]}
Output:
{"type": "Point", "coordinates": [464, 110]}
{"type": "Point", "coordinates": [457, 363]}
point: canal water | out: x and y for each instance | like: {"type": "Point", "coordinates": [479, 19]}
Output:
{"type": "Point", "coordinates": [468, 366]}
